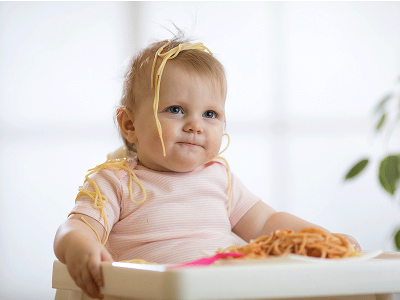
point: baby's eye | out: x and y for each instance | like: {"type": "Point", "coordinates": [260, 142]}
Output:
{"type": "Point", "coordinates": [210, 114]}
{"type": "Point", "coordinates": [175, 109]}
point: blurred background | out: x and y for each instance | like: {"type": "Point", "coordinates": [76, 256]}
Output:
{"type": "Point", "coordinates": [303, 81]}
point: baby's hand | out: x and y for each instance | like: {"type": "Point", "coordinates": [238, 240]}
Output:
{"type": "Point", "coordinates": [83, 260]}
{"type": "Point", "coordinates": [352, 241]}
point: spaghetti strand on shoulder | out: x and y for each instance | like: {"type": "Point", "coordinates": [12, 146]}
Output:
{"type": "Point", "coordinates": [311, 241]}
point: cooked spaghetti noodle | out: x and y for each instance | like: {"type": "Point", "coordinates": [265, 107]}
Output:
{"type": "Point", "coordinates": [229, 174]}
{"type": "Point", "coordinates": [100, 201]}
{"type": "Point", "coordinates": [309, 242]}
{"type": "Point", "coordinates": [165, 56]}
{"type": "Point", "coordinates": [138, 261]}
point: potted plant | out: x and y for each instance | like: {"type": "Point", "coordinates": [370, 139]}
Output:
{"type": "Point", "coordinates": [387, 114]}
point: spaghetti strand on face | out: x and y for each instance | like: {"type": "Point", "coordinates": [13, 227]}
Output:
{"type": "Point", "coordinates": [308, 242]}
{"type": "Point", "coordinates": [171, 54]}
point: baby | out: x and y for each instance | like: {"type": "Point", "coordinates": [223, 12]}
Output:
{"type": "Point", "coordinates": [173, 196]}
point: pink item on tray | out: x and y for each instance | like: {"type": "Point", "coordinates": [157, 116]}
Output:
{"type": "Point", "coordinates": [205, 261]}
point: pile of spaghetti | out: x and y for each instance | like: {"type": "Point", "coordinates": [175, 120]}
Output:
{"type": "Point", "coordinates": [309, 242]}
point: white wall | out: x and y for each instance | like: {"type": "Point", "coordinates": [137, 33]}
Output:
{"type": "Point", "coordinates": [303, 79]}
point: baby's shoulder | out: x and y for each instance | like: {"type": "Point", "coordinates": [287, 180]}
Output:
{"type": "Point", "coordinates": [118, 168]}
{"type": "Point", "coordinates": [126, 168]}
{"type": "Point", "coordinates": [218, 163]}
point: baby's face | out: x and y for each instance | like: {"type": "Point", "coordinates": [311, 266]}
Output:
{"type": "Point", "coordinates": [191, 113]}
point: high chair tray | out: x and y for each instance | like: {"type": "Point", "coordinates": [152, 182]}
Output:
{"type": "Point", "coordinates": [275, 278]}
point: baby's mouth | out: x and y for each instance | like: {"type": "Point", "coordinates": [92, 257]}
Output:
{"type": "Point", "coordinates": [189, 144]}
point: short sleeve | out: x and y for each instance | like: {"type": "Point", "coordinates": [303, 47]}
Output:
{"type": "Point", "coordinates": [110, 187]}
{"type": "Point", "coordinates": [242, 200]}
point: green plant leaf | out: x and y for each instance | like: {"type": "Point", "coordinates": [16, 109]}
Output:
{"type": "Point", "coordinates": [389, 173]}
{"type": "Point", "coordinates": [397, 239]}
{"type": "Point", "coordinates": [381, 122]}
{"type": "Point", "coordinates": [357, 168]}
{"type": "Point", "coordinates": [381, 104]}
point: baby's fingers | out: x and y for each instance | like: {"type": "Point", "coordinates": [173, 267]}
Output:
{"type": "Point", "coordinates": [106, 256]}
{"type": "Point", "coordinates": [94, 267]}
{"type": "Point", "coordinates": [89, 286]}
{"type": "Point", "coordinates": [352, 241]}
{"type": "Point", "coordinates": [83, 279]}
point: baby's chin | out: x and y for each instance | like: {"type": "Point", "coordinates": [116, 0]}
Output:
{"type": "Point", "coordinates": [176, 163]}
{"type": "Point", "coordinates": [184, 167]}
{"type": "Point", "coordinates": [181, 169]}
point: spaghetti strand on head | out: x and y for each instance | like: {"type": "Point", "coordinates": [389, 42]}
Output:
{"type": "Point", "coordinates": [171, 54]}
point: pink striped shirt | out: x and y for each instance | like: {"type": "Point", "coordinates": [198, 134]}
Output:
{"type": "Point", "coordinates": [183, 214]}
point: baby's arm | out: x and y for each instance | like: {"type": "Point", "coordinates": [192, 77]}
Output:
{"type": "Point", "coordinates": [261, 219]}
{"type": "Point", "coordinates": [77, 246]}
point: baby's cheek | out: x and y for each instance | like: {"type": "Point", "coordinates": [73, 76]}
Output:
{"type": "Point", "coordinates": [214, 152]}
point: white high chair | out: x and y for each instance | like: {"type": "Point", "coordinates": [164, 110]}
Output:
{"type": "Point", "coordinates": [283, 278]}
{"type": "Point", "coordinates": [374, 279]}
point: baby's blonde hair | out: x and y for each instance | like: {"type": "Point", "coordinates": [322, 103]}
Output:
{"type": "Point", "coordinates": [137, 82]}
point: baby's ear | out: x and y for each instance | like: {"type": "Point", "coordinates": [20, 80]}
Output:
{"type": "Point", "coordinates": [126, 125]}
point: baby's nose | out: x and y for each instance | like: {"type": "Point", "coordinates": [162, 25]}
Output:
{"type": "Point", "coordinates": [193, 125]}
